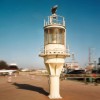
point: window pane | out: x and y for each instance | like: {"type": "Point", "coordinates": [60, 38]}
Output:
{"type": "Point", "coordinates": [54, 35]}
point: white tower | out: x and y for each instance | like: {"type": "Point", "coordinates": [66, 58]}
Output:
{"type": "Point", "coordinates": [55, 51]}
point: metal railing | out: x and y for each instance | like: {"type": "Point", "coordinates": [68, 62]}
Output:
{"type": "Point", "coordinates": [54, 19]}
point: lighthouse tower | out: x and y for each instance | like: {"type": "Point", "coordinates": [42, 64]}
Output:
{"type": "Point", "coordinates": [55, 51]}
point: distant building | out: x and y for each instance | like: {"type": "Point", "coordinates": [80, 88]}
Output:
{"type": "Point", "coordinates": [13, 66]}
{"type": "Point", "coordinates": [89, 67]}
{"type": "Point", "coordinates": [98, 65]}
{"type": "Point", "coordinates": [42, 71]}
{"type": "Point", "coordinates": [25, 70]}
{"type": "Point", "coordinates": [72, 65]}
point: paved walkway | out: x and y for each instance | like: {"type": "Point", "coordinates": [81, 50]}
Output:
{"type": "Point", "coordinates": [36, 88]}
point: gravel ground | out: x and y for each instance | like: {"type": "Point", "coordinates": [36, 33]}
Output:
{"type": "Point", "coordinates": [25, 87]}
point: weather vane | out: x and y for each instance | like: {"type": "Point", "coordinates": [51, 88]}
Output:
{"type": "Point", "coordinates": [54, 9]}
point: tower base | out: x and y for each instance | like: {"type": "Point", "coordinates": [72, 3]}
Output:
{"type": "Point", "coordinates": [56, 97]}
{"type": "Point", "coordinates": [54, 87]}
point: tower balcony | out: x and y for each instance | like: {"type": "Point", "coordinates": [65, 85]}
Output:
{"type": "Point", "coordinates": [54, 20]}
{"type": "Point", "coordinates": [54, 52]}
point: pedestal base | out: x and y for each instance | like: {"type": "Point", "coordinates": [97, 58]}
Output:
{"type": "Point", "coordinates": [55, 97]}
{"type": "Point", "coordinates": [54, 88]}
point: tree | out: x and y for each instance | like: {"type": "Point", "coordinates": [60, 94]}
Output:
{"type": "Point", "coordinates": [3, 65]}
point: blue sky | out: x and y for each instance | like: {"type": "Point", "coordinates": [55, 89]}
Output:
{"type": "Point", "coordinates": [21, 29]}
